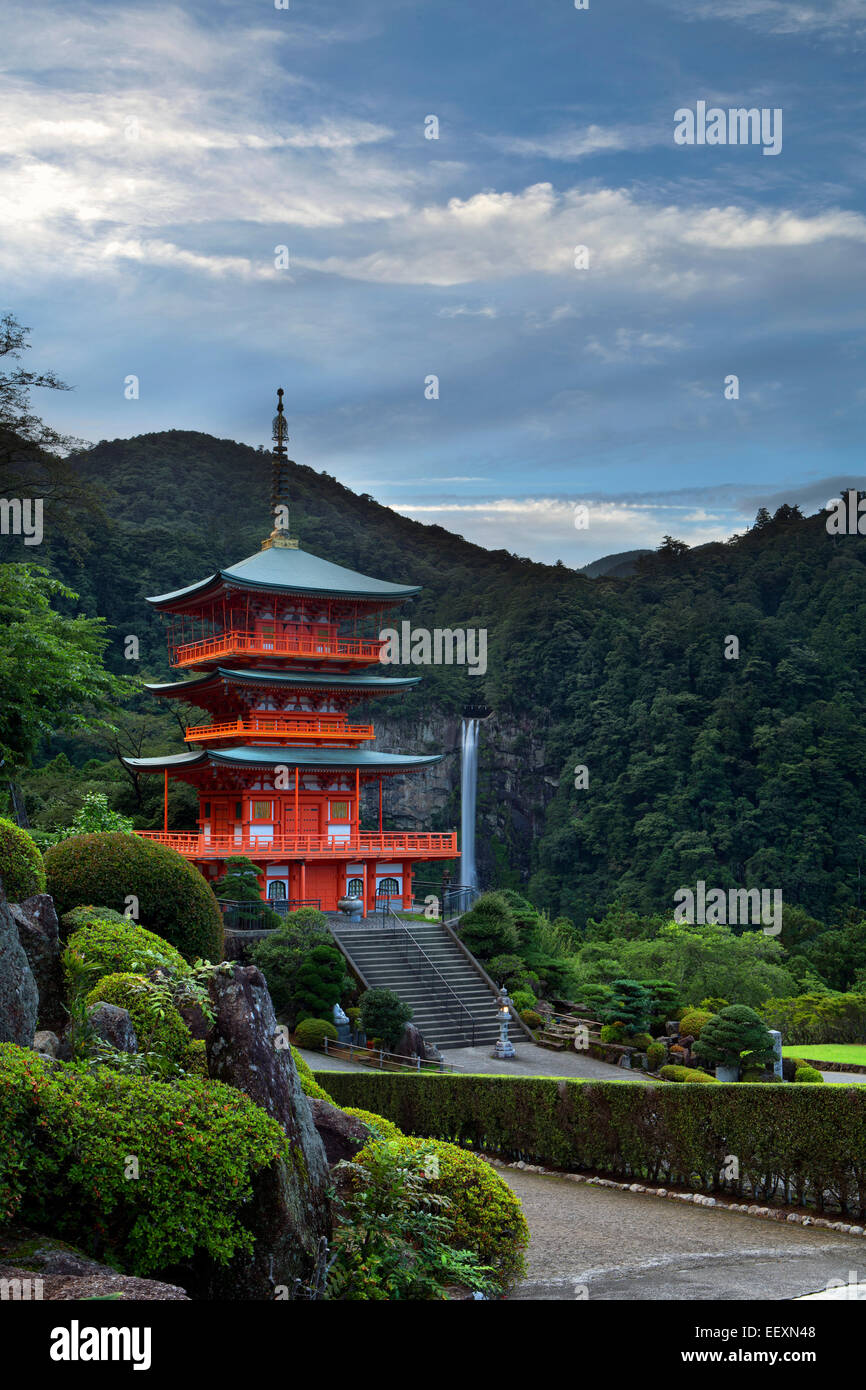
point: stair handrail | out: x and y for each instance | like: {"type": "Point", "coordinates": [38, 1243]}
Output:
{"type": "Point", "coordinates": [407, 937]}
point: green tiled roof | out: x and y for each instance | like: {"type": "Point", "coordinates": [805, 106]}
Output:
{"type": "Point", "coordinates": [246, 756]}
{"type": "Point", "coordinates": [284, 570]}
{"type": "Point", "coordinates": [297, 680]}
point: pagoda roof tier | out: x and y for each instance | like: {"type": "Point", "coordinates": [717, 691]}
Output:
{"type": "Point", "coordinates": [309, 759]}
{"type": "Point", "coordinates": [288, 570]}
{"type": "Point", "coordinates": [359, 685]}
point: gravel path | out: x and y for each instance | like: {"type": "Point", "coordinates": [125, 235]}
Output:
{"type": "Point", "coordinates": [600, 1243]}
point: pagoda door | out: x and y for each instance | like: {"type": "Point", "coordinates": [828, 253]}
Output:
{"type": "Point", "coordinates": [310, 824]}
{"type": "Point", "coordinates": [222, 825]}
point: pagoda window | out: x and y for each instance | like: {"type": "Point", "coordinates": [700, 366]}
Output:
{"type": "Point", "coordinates": [207, 810]}
{"type": "Point", "coordinates": [339, 810]}
{"type": "Point", "coordinates": [260, 810]}
{"type": "Point", "coordinates": [239, 810]}
{"type": "Point", "coordinates": [355, 888]}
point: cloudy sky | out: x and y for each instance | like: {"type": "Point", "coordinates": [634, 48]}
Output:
{"type": "Point", "coordinates": [154, 158]}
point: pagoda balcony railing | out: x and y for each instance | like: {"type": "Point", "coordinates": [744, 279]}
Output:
{"type": "Point", "coordinates": [230, 644]}
{"type": "Point", "coordinates": [279, 729]}
{"type": "Point", "coordinates": [391, 843]}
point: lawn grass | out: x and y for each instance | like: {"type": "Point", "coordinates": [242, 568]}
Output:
{"type": "Point", "coordinates": [829, 1052]}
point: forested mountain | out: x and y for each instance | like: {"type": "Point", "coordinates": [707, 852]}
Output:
{"type": "Point", "coordinates": [745, 770]}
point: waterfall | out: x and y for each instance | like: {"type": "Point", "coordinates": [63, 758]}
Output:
{"type": "Point", "coordinates": [468, 790]}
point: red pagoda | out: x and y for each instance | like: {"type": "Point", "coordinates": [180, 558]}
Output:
{"type": "Point", "coordinates": [281, 645]}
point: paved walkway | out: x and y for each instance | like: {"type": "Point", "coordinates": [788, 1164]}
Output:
{"type": "Point", "coordinates": [600, 1243]}
{"type": "Point", "coordinates": [530, 1061]}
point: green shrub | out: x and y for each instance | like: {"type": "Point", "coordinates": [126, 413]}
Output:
{"type": "Point", "coordinates": [531, 1018]}
{"type": "Point", "coordinates": [384, 1015]}
{"type": "Point", "coordinates": [199, 1145]}
{"type": "Point", "coordinates": [377, 1124]}
{"type": "Point", "coordinates": [159, 1027]}
{"type": "Point", "coordinates": [95, 815]}
{"type": "Point", "coordinates": [693, 1021]}
{"type": "Point", "coordinates": [673, 1073]}
{"type": "Point", "coordinates": [311, 1033]}
{"type": "Point", "coordinates": [640, 1040]}
{"type": "Point", "coordinates": [734, 1035]}
{"type": "Point", "coordinates": [309, 1084]}
{"type": "Point", "coordinates": [488, 928]}
{"type": "Point", "coordinates": [655, 1055]}
{"type": "Point", "coordinates": [613, 1032]}
{"type": "Point", "coordinates": [485, 1215]}
{"type": "Point", "coordinates": [809, 1075]}
{"type": "Point", "coordinates": [505, 969]}
{"type": "Point", "coordinates": [173, 898]}
{"type": "Point", "coordinates": [714, 1006]}
{"type": "Point", "coordinates": [523, 999]}
{"type": "Point", "coordinates": [308, 920]}
{"type": "Point", "coordinates": [119, 947]}
{"type": "Point", "coordinates": [642, 1133]}
{"type": "Point", "coordinates": [22, 871]}
{"type": "Point", "coordinates": [83, 916]}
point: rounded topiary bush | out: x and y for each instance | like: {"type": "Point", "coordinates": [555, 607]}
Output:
{"type": "Point", "coordinates": [485, 1214]}
{"type": "Point", "coordinates": [83, 916]}
{"type": "Point", "coordinates": [613, 1033]}
{"type": "Point", "coordinates": [173, 898]}
{"type": "Point", "coordinates": [523, 999]}
{"type": "Point", "coordinates": [381, 1128]}
{"type": "Point", "coordinates": [674, 1073]}
{"type": "Point", "coordinates": [655, 1055]}
{"type": "Point", "coordinates": [531, 1018]}
{"type": "Point", "coordinates": [157, 1023]}
{"type": "Point", "coordinates": [116, 947]}
{"type": "Point", "coordinates": [22, 871]}
{"type": "Point", "coordinates": [809, 1075]}
{"type": "Point", "coordinates": [311, 1032]}
{"type": "Point", "coordinates": [640, 1040]}
{"type": "Point", "coordinates": [693, 1021]}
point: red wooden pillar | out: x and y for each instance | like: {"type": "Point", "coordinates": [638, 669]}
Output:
{"type": "Point", "coordinates": [165, 801]}
{"type": "Point", "coordinates": [358, 803]}
{"type": "Point", "coordinates": [364, 891]}
{"type": "Point", "coordinates": [297, 807]}
{"type": "Point", "coordinates": [303, 882]}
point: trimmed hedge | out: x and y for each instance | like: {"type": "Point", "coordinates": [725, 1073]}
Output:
{"type": "Point", "coordinates": [380, 1127]}
{"type": "Point", "coordinates": [173, 898]}
{"type": "Point", "coordinates": [811, 1138]}
{"type": "Point", "coordinates": [199, 1146]}
{"type": "Point", "coordinates": [21, 868]}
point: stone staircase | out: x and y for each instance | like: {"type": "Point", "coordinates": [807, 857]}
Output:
{"type": "Point", "coordinates": [451, 1004]}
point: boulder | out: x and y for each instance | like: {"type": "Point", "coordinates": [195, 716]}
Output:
{"type": "Point", "coordinates": [341, 1134]}
{"type": "Point", "coordinates": [19, 997]}
{"type": "Point", "coordinates": [410, 1043]}
{"type": "Point", "coordinates": [41, 1267]}
{"type": "Point", "coordinates": [114, 1025]}
{"type": "Point", "coordinates": [432, 1053]}
{"type": "Point", "coordinates": [39, 934]}
{"type": "Point", "coordinates": [289, 1215]}
{"type": "Point", "coordinates": [46, 1042]}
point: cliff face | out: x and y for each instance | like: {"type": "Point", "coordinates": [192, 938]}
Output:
{"type": "Point", "coordinates": [515, 785]}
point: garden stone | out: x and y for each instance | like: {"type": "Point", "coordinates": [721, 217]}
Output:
{"type": "Point", "coordinates": [341, 1134]}
{"type": "Point", "coordinates": [46, 1042]}
{"type": "Point", "coordinates": [289, 1213]}
{"type": "Point", "coordinates": [113, 1025]}
{"type": "Point", "coordinates": [19, 997]}
{"type": "Point", "coordinates": [410, 1043]}
{"type": "Point", "coordinates": [39, 934]}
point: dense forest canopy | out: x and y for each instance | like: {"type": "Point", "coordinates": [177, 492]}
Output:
{"type": "Point", "coordinates": [743, 770]}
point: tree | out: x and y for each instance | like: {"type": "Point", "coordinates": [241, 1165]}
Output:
{"type": "Point", "coordinates": [240, 882]}
{"type": "Point", "coordinates": [51, 671]}
{"type": "Point", "coordinates": [384, 1015]}
{"type": "Point", "coordinates": [630, 1004]}
{"type": "Point", "coordinates": [735, 1037]}
{"type": "Point", "coordinates": [95, 815]}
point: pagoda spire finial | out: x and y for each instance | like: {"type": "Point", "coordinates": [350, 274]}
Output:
{"type": "Point", "coordinates": [280, 482]}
